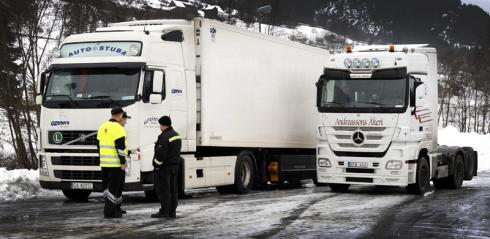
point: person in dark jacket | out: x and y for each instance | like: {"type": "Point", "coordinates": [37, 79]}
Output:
{"type": "Point", "coordinates": [166, 163]}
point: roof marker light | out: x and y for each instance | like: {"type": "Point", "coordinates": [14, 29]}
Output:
{"type": "Point", "coordinates": [348, 49]}
{"type": "Point", "coordinates": [392, 48]}
{"type": "Point", "coordinates": [348, 63]}
{"type": "Point", "coordinates": [356, 63]}
{"type": "Point", "coordinates": [365, 63]}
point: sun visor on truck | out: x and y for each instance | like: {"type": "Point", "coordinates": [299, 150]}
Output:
{"type": "Point", "coordinates": [391, 73]}
{"type": "Point", "coordinates": [98, 65]}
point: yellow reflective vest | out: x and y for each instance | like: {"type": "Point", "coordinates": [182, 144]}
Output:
{"type": "Point", "coordinates": [107, 134]}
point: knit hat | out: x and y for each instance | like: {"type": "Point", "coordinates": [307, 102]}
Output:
{"type": "Point", "coordinates": [165, 120]}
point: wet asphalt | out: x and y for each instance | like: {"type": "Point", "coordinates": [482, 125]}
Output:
{"type": "Point", "coordinates": [288, 211]}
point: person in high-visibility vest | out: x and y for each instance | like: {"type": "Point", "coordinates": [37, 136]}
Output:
{"type": "Point", "coordinates": [112, 153]}
{"type": "Point", "coordinates": [166, 163]}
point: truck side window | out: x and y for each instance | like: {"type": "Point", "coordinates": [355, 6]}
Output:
{"type": "Point", "coordinates": [148, 85]}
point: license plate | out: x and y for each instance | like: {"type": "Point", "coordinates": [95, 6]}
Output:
{"type": "Point", "coordinates": [357, 164]}
{"type": "Point", "coordinates": [84, 186]}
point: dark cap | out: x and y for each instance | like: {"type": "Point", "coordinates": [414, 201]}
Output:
{"type": "Point", "coordinates": [165, 120]}
{"type": "Point", "coordinates": [116, 111]}
{"type": "Point", "coordinates": [126, 116]}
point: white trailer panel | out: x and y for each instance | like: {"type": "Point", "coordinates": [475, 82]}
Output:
{"type": "Point", "coordinates": [256, 90]}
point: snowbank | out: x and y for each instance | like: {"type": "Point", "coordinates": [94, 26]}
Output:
{"type": "Point", "coordinates": [452, 137]}
{"type": "Point", "coordinates": [20, 184]}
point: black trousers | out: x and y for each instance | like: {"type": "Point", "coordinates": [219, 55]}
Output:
{"type": "Point", "coordinates": [166, 187]}
{"type": "Point", "coordinates": [112, 184]}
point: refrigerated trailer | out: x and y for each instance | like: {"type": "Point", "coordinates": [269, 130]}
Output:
{"type": "Point", "coordinates": [379, 122]}
{"type": "Point", "coordinates": [242, 102]}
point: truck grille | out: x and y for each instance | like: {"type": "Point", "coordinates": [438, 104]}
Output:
{"type": "Point", "coordinates": [75, 160]}
{"type": "Point", "coordinates": [374, 139]}
{"type": "Point", "coordinates": [78, 175]}
{"type": "Point", "coordinates": [72, 137]}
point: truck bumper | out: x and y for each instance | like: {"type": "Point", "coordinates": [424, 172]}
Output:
{"type": "Point", "coordinates": [373, 172]}
{"type": "Point", "coordinates": [97, 186]}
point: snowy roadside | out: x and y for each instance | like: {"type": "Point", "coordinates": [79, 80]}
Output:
{"type": "Point", "coordinates": [21, 184]}
{"type": "Point", "coordinates": [450, 136]}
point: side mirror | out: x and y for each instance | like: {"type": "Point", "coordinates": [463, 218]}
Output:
{"type": "Point", "coordinates": [155, 98]}
{"type": "Point", "coordinates": [417, 92]}
{"type": "Point", "coordinates": [319, 86]}
{"type": "Point", "coordinates": [39, 99]}
{"type": "Point", "coordinates": [41, 80]}
{"type": "Point", "coordinates": [157, 82]}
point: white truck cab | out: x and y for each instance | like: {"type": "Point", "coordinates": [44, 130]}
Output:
{"type": "Point", "coordinates": [378, 107]}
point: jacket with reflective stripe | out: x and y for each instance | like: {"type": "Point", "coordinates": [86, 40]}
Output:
{"type": "Point", "coordinates": [112, 144]}
{"type": "Point", "coordinates": [167, 149]}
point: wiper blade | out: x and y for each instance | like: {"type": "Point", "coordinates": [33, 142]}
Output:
{"type": "Point", "coordinates": [112, 102]}
{"type": "Point", "coordinates": [67, 96]}
{"type": "Point", "coordinates": [371, 103]}
{"type": "Point", "coordinates": [333, 102]}
{"type": "Point", "coordinates": [99, 97]}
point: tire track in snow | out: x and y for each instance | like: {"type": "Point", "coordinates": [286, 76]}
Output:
{"type": "Point", "coordinates": [292, 217]}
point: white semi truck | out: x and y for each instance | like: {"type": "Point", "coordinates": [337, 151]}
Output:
{"type": "Point", "coordinates": [243, 103]}
{"type": "Point", "coordinates": [378, 126]}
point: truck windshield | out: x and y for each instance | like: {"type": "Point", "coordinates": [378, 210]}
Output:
{"type": "Point", "coordinates": [363, 95]}
{"type": "Point", "coordinates": [92, 87]}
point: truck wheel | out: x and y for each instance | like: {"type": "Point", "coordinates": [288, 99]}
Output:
{"type": "Point", "coordinates": [77, 195]}
{"type": "Point", "coordinates": [244, 175]}
{"type": "Point", "coordinates": [469, 172]}
{"type": "Point", "coordinates": [225, 189]}
{"type": "Point", "coordinates": [422, 178]}
{"type": "Point", "coordinates": [151, 196]}
{"type": "Point", "coordinates": [455, 181]}
{"type": "Point", "coordinates": [440, 183]}
{"type": "Point", "coordinates": [336, 187]}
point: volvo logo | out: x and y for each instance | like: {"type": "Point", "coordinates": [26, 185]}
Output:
{"type": "Point", "coordinates": [358, 137]}
{"type": "Point", "coordinates": [83, 137]}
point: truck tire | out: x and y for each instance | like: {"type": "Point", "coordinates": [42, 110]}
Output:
{"type": "Point", "coordinates": [337, 187]}
{"type": "Point", "coordinates": [77, 195]}
{"type": "Point", "coordinates": [440, 183]}
{"type": "Point", "coordinates": [455, 181]}
{"type": "Point", "coordinates": [470, 170]}
{"type": "Point", "coordinates": [244, 174]}
{"type": "Point", "coordinates": [475, 170]}
{"type": "Point", "coordinates": [151, 195]}
{"type": "Point", "coordinates": [226, 189]}
{"type": "Point", "coordinates": [422, 178]}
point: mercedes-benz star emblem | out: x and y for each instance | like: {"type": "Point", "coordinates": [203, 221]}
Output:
{"type": "Point", "coordinates": [358, 137]}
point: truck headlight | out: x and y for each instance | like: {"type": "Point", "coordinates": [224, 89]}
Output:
{"type": "Point", "coordinates": [43, 166]}
{"type": "Point", "coordinates": [323, 162]}
{"type": "Point", "coordinates": [394, 164]}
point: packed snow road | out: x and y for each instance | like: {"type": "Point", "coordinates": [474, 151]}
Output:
{"type": "Point", "coordinates": [286, 212]}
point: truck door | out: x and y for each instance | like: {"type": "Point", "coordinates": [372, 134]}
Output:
{"type": "Point", "coordinates": [163, 93]}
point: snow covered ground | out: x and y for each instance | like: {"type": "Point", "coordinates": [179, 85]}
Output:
{"type": "Point", "coordinates": [21, 184]}
{"type": "Point", "coordinates": [24, 184]}
{"type": "Point", "coordinates": [450, 136]}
